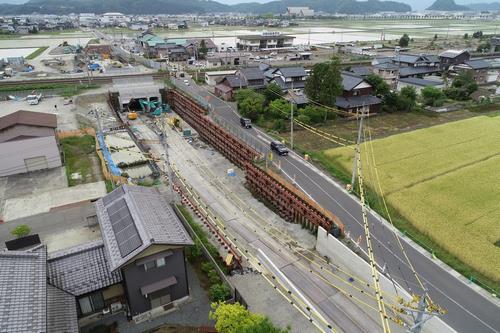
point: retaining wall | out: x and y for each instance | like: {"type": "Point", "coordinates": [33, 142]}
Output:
{"type": "Point", "coordinates": [292, 204]}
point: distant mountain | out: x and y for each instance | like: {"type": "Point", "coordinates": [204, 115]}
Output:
{"type": "Point", "coordinates": [328, 6]}
{"type": "Point", "coordinates": [196, 6]}
{"type": "Point", "coordinates": [447, 6]}
{"type": "Point", "coordinates": [492, 7]}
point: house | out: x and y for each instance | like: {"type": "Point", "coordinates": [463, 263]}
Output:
{"type": "Point", "coordinates": [253, 77]}
{"type": "Point", "coordinates": [28, 142]}
{"type": "Point", "coordinates": [356, 95]}
{"type": "Point", "coordinates": [29, 302]}
{"type": "Point", "coordinates": [361, 70]}
{"type": "Point", "coordinates": [212, 78]}
{"type": "Point", "coordinates": [178, 53]}
{"type": "Point", "coordinates": [228, 86]}
{"type": "Point", "coordinates": [381, 60]}
{"type": "Point", "coordinates": [419, 72]}
{"type": "Point", "coordinates": [477, 68]}
{"type": "Point", "coordinates": [192, 46]}
{"type": "Point", "coordinates": [415, 60]}
{"type": "Point", "coordinates": [138, 265]}
{"type": "Point", "coordinates": [388, 71]}
{"type": "Point", "coordinates": [150, 44]}
{"type": "Point", "coordinates": [144, 240]}
{"type": "Point", "coordinates": [113, 18]}
{"type": "Point", "coordinates": [418, 83]}
{"type": "Point", "coordinates": [288, 77]}
{"type": "Point", "coordinates": [453, 57]}
{"type": "Point", "coordinates": [265, 40]}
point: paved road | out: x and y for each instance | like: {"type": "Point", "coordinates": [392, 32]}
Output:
{"type": "Point", "coordinates": [468, 311]}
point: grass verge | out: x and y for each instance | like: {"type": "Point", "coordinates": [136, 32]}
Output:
{"type": "Point", "coordinates": [66, 90]}
{"type": "Point", "coordinates": [36, 53]}
{"type": "Point", "coordinates": [77, 152]}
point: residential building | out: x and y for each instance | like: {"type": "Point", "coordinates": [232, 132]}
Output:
{"type": "Point", "coordinates": [265, 40]}
{"type": "Point", "coordinates": [477, 68]}
{"type": "Point", "coordinates": [419, 72]}
{"type": "Point", "coordinates": [87, 20]}
{"type": "Point", "coordinates": [150, 44]}
{"type": "Point", "coordinates": [361, 70]}
{"type": "Point", "coordinates": [453, 57]}
{"type": "Point", "coordinates": [288, 77]}
{"type": "Point", "coordinates": [415, 60]}
{"type": "Point", "coordinates": [388, 71]}
{"type": "Point", "coordinates": [113, 18]}
{"type": "Point", "coordinates": [192, 46]}
{"type": "Point", "coordinates": [418, 83]}
{"type": "Point", "coordinates": [356, 96]}
{"type": "Point", "coordinates": [212, 78]}
{"type": "Point", "coordinates": [178, 53]}
{"type": "Point", "coordinates": [28, 142]}
{"type": "Point", "coordinates": [228, 86]}
{"type": "Point", "coordinates": [253, 77]}
{"type": "Point", "coordinates": [138, 266]}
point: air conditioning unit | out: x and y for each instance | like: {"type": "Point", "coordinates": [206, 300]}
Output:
{"type": "Point", "coordinates": [116, 307]}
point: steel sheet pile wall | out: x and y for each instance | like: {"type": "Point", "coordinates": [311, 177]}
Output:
{"type": "Point", "coordinates": [292, 204]}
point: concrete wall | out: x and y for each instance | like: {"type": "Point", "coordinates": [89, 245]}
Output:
{"type": "Point", "coordinates": [135, 277]}
{"type": "Point", "coordinates": [14, 153]}
{"type": "Point", "coordinates": [341, 255]}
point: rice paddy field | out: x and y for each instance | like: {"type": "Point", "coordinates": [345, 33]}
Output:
{"type": "Point", "coordinates": [445, 180]}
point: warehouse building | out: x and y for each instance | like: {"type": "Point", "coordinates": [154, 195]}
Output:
{"type": "Point", "coordinates": [28, 142]}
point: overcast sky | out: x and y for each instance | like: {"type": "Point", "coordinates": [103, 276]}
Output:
{"type": "Point", "coordinates": [415, 4]}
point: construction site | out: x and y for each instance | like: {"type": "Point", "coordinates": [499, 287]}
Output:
{"type": "Point", "coordinates": [268, 232]}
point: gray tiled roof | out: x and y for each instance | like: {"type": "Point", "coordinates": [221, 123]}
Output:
{"type": "Point", "coordinates": [154, 219]}
{"type": "Point", "coordinates": [288, 85]}
{"type": "Point", "coordinates": [292, 71]}
{"type": "Point", "coordinates": [361, 70]}
{"type": "Point", "coordinates": [235, 81]}
{"type": "Point", "coordinates": [452, 53]}
{"type": "Point", "coordinates": [387, 66]}
{"type": "Point", "coordinates": [356, 101]}
{"type": "Point", "coordinates": [477, 64]}
{"type": "Point", "coordinates": [61, 311]}
{"type": "Point", "coordinates": [350, 81]}
{"type": "Point", "coordinates": [420, 82]}
{"type": "Point", "coordinates": [23, 291]}
{"type": "Point", "coordinates": [252, 73]}
{"type": "Point", "coordinates": [81, 269]}
{"type": "Point", "coordinates": [408, 71]}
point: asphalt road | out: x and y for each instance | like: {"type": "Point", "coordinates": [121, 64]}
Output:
{"type": "Point", "coordinates": [468, 311]}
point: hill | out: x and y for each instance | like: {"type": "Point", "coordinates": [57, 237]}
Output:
{"type": "Point", "coordinates": [328, 6]}
{"type": "Point", "coordinates": [447, 6]}
{"type": "Point", "coordinates": [196, 6]}
{"type": "Point", "coordinates": [493, 6]}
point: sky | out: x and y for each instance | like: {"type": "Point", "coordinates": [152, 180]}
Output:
{"type": "Point", "coordinates": [415, 4]}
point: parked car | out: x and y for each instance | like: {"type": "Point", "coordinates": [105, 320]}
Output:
{"type": "Point", "coordinates": [280, 148]}
{"type": "Point", "coordinates": [186, 82]}
{"type": "Point", "coordinates": [245, 122]}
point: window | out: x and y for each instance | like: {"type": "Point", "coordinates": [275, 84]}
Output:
{"type": "Point", "coordinates": [160, 262]}
{"type": "Point", "coordinates": [91, 303]}
{"type": "Point", "coordinates": [149, 265]}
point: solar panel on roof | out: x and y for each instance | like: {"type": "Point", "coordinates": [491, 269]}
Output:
{"type": "Point", "coordinates": [126, 234]}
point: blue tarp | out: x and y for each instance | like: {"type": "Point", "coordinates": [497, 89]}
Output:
{"type": "Point", "coordinates": [107, 155]}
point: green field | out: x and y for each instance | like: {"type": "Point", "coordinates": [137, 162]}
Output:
{"type": "Point", "coordinates": [445, 181]}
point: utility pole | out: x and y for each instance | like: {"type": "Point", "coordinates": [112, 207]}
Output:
{"type": "Point", "coordinates": [357, 150]}
{"type": "Point", "coordinates": [291, 117]}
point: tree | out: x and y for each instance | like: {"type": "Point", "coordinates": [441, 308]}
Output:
{"type": "Point", "coordinates": [279, 109]}
{"type": "Point", "coordinates": [477, 34]}
{"type": "Point", "coordinates": [325, 82]}
{"type": "Point", "coordinates": [252, 106]}
{"type": "Point", "coordinates": [466, 36]}
{"type": "Point", "coordinates": [432, 96]}
{"type": "Point", "coordinates": [234, 318]}
{"type": "Point", "coordinates": [272, 92]}
{"type": "Point", "coordinates": [380, 87]}
{"type": "Point", "coordinates": [484, 47]}
{"type": "Point", "coordinates": [315, 114]}
{"type": "Point", "coordinates": [202, 50]}
{"type": "Point", "coordinates": [404, 41]}
{"type": "Point", "coordinates": [407, 99]}
{"type": "Point", "coordinates": [435, 37]}
{"type": "Point", "coordinates": [461, 88]}
{"type": "Point", "coordinates": [21, 230]}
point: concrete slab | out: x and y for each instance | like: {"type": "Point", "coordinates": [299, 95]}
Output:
{"type": "Point", "coordinates": [15, 208]}
{"type": "Point", "coordinates": [71, 237]}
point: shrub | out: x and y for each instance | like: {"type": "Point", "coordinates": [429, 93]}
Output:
{"type": "Point", "coordinates": [219, 292]}
{"type": "Point", "coordinates": [21, 231]}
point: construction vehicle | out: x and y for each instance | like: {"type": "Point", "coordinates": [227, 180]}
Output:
{"type": "Point", "coordinates": [154, 108]}
{"type": "Point", "coordinates": [33, 98]}
{"type": "Point", "coordinates": [132, 115]}
{"type": "Point", "coordinates": [174, 122]}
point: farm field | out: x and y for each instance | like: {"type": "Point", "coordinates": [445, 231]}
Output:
{"type": "Point", "coordinates": [444, 181]}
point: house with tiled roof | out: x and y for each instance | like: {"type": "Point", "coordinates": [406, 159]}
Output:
{"type": "Point", "coordinates": [138, 265]}
{"type": "Point", "coordinates": [477, 68]}
{"type": "Point", "coordinates": [357, 96]}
